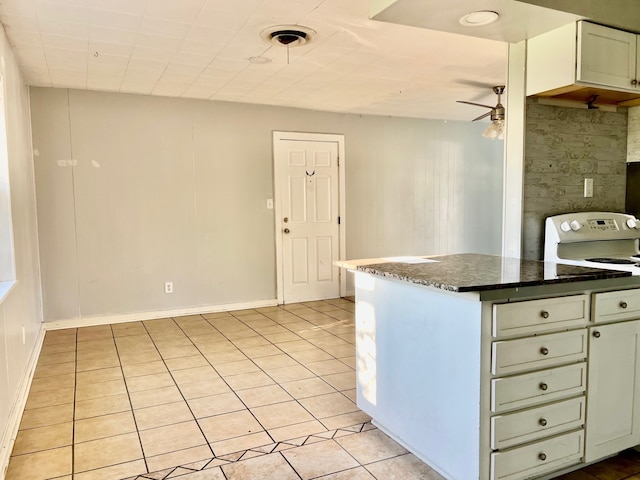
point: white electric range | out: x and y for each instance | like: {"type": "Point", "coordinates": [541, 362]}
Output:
{"type": "Point", "coordinates": [594, 239]}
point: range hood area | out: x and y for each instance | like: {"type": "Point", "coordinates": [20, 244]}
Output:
{"type": "Point", "coordinates": [557, 50]}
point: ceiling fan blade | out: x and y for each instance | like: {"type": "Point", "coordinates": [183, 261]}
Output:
{"type": "Point", "coordinates": [476, 104]}
{"type": "Point", "coordinates": [481, 116]}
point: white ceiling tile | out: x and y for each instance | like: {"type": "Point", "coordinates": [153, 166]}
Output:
{"type": "Point", "coordinates": [159, 42]}
{"type": "Point", "coordinates": [200, 48]}
{"type": "Point", "coordinates": [26, 39]}
{"type": "Point", "coordinates": [66, 43]}
{"type": "Point", "coordinates": [178, 11]}
{"type": "Point", "coordinates": [137, 87]}
{"type": "Point", "coordinates": [141, 65]}
{"type": "Point", "coordinates": [169, 89]}
{"type": "Point", "coordinates": [178, 78]}
{"type": "Point", "coordinates": [127, 7]}
{"type": "Point", "coordinates": [54, 11]}
{"type": "Point", "coordinates": [20, 23]}
{"type": "Point", "coordinates": [65, 57]}
{"type": "Point", "coordinates": [223, 19]}
{"type": "Point", "coordinates": [105, 48]}
{"type": "Point", "coordinates": [191, 59]}
{"type": "Point", "coordinates": [18, 7]}
{"type": "Point", "coordinates": [216, 35]}
{"type": "Point", "coordinates": [106, 59]}
{"type": "Point", "coordinates": [195, 91]}
{"type": "Point", "coordinates": [207, 81]}
{"type": "Point", "coordinates": [65, 28]}
{"type": "Point", "coordinates": [164, 28]}
{"type": "Point", "coordinates": [193, 47]}
{"type": "Point", "coordinates": [152, 54]}
{"type": "Point", "coordinates": [115, 20]}
{"type": "Point", "coordinates": [113, 35]}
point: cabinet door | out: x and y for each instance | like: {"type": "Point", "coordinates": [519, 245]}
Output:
{"type": "Point", "coordinates": [613, 396]}
{"type": "Point", "coordinates": [606, 56]}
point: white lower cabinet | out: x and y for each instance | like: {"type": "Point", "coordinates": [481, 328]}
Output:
{"type": "Point", "coordinates": [538, 458]}
{"type": "Point", "coordinates": [613, 407]}
{"type": "Point", "coordinates": [561, 398]}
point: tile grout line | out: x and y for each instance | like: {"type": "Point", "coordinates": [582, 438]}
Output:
{"type": "Point", "coordinates": [124, 379]}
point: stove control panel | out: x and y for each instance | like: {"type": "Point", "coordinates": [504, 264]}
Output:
{"type": "Point", "coordinates": [603, 224]}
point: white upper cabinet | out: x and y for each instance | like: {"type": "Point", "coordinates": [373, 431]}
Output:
{"type": "Point", "coordinates": [581, 55]}
{"type": "Point", "coordinates": [606, 56]}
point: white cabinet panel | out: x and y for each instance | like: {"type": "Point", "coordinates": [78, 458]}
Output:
{"type": "Point", "coordinates": [521, 318]}
{"type": "Point", "coordinates": [519, 391]}
{"type": "Point", "coordinates": [536, 423]}
{"type": "Point", "coordinates": [537, 458]}
{"type": "Point", "coordinates": [541, 351]}
{"type": "Point", "coordinates": [606, 56]}
{"type": "Point", "coordinates": [616, 306]}
{"type": "Point", "coordinates": [613, 411]}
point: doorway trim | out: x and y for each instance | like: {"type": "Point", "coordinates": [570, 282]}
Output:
{"type": "Point", "coordinates": [342, 242]}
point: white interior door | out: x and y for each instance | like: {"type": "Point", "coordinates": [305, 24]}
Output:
{"type": "Point", "coordinates": [308, 215]}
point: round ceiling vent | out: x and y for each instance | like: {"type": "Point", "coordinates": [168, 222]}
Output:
{"type": "Point", "coordinates": [288, 35]}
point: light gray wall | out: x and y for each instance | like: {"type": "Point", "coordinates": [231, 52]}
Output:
{"type": "Point", "coordinates": [22, 307]}
{"type": "Point", "coordinates": [175, 190]}
{"type": "Point", "coordinates": [563, 147]}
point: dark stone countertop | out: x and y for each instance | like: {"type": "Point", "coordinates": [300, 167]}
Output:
{"type": "Point", "coordinates": [470, 272]}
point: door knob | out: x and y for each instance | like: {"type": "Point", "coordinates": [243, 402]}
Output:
{"type": "Point", "coordinates": [286, 230]}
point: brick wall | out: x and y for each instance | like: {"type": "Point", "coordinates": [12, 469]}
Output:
{"type": "Point", "coordinates": [564, 146]}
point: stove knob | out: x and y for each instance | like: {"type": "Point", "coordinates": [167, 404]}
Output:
{"type": "Point", "coordinates": [575, 225]}
{"type": "Point", "coordinates": [565, 227]}
{"type": "Point", "coordinates": [633, 223]}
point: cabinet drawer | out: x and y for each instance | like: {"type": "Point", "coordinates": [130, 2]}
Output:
{"type": "Point", "coordinates": [538, 458]}
{"type": "Point", "coordinates": [534, 388]}
{"type": "Point", "coordinates": [615, 306]}
{"type": "Point", "coordinates": [536, 423]}
{"type": "Point", "coordinates": [510, 356]}
{"type": "Point", "coordinates": [536, 316]}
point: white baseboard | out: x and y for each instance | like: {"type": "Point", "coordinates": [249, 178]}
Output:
{"type": "Point", "coordinates": [138, 316]}
{"type": "Point", "coordinates": [15, 415]}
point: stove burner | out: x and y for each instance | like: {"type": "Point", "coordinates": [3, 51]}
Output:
{"type": "Point", "coordinates": [614, 261]}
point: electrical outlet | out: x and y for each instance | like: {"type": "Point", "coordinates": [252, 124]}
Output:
{"type": "Point", "coordinates": [588, 187]}
{"type": "Point", "coordinates": [168, 287]}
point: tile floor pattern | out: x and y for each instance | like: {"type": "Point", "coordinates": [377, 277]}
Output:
{"type": "Point", "coordinates": [255, 394]}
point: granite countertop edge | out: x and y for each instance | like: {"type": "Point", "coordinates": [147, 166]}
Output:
{"type": "Point", "coordinates": [493, 286]}
{"type": "Point", "coordinates": [477, 272]}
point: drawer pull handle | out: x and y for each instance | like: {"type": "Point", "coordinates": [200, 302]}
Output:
{"type": "Point", "coordinates": [542, 456]}
{"type": "Point", "coordinates": [544, 314]}
{"type": "Point", "coordinates": [623, 304]}
{"type": "Point", "coordinates": [543, 422]}
{"type": "Point", "coordinates": [596, 334]}
{"type": "Point", "coordinates": [544, 351]}
{"type": "Point", "coordinates": [543, 386]}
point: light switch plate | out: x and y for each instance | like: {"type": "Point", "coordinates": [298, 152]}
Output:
{"type": "Point", "coordinates": [588, 187]}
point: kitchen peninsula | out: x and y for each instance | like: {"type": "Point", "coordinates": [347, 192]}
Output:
{"type": "Point", "coordinates": [482, 365]}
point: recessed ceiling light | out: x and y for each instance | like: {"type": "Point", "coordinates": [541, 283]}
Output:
{"type": "Point", "coordinates": [477, 19]}
{"type": "Point", "coordinates": [259, 60]}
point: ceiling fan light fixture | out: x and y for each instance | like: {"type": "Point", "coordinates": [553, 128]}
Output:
{"type": "Point", "coordinates": [494, 130]}
{"type": "Point", "coordinates": [479, 18]}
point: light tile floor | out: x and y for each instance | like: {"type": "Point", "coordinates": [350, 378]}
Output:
{"type": "Point", "coordinates": [264, 394]}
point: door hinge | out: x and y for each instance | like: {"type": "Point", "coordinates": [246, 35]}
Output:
{"type": "Point", "coordinates": [338, 220]}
